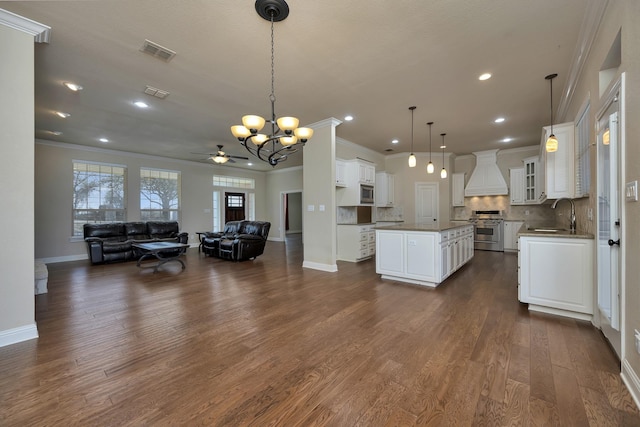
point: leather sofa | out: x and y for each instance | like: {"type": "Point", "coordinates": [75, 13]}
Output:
{"type": "Point", "coordinates": [239, 241]}
{"type": "Point", "coordinates": [112, 242]}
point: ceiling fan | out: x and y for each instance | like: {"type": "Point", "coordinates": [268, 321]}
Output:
{"type": "Point", "coordinates": [221, 157]}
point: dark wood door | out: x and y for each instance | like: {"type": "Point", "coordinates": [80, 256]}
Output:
{"type": "Point", "coordinates": [233, 206]}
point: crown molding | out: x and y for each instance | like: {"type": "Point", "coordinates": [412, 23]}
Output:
{"type": "Point", "coordinates": [40, 32]}
{"type": "Point", "coordinates": [588, 31]}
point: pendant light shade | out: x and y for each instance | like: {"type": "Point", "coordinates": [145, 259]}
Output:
{"type": "Point", "coordinates": [430, 167]}
{"type": "Point", "coordinates": [443, 172]}
{"type": "Point", "coordinates": [412, 157]}
{"type": "Point", "coordinates": [552, 142]}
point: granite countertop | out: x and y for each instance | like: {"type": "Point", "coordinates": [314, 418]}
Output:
{"type": "Point", "coordinates": [534, 229]}
{"type": "Point", "coordinates": [422, 227]}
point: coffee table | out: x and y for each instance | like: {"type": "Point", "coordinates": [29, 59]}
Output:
{"type": "Point", "coordinates": [163, 251]}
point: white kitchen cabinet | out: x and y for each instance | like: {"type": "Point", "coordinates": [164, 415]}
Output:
{"type": "Point", "coordinates": [385, 189]}
{"type": "Point", "coordinates": [457, 189]}
{"type": "Point", "coordinates": [556, 275]}
{"type": "Point", "coordinates": [532, 181]}
{"type": "Point", "coordinates": [516, 190]}
{"type": "Point", "coordinates": [341, 173]}
{"type": "Point", "coordinates": [366, 172]}
{"type": "Point", "coordinates": [356, 242]}
{"type": "Point", "coordinates": [422, 257]}
{"type": "Point", "coordinates": [559, 165]}
{"type": "Point", "coordinates": [511, 235]}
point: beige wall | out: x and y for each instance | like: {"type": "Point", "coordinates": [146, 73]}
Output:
{"type": "Point", "coordinates": [347, 150]}
{"type": "Point", "coordinates": [17, 307]}
{"type": "Point", "coordinates": [53, 196]}
{"type": "Point", "coordinates": [281, 181]}
{"type": "Point", "coordinates": [625, 15]}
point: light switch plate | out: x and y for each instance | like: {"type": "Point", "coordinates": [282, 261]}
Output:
{"type": "Point", "coordinates": [311, 208]}
{"type": "Point", "coordinates": [631, 191]}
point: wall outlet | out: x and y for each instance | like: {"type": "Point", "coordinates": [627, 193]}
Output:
{"type": "Point", "coordinates": [526, 212]}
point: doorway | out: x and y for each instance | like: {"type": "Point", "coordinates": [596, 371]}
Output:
{"type": "Point", "coordinates": [610, 149]}
{"type": "Point", "coordinates": [234, 206]}
{"type": "Point", "coordinates": [290, 214]}
{"type": "Point", "coordinates": [426, 202]}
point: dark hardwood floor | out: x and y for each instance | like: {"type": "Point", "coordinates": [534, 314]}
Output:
{"type": "Point", "coordinates": [266, 342]}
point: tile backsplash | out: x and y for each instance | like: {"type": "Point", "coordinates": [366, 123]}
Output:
{"type": "Point", "coordinates": [538, 213]}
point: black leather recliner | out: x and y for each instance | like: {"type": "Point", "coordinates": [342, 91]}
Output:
{"type": "Point", "coordinates": [239, 241]}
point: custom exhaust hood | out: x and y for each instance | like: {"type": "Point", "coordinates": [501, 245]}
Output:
{"type": "Point", "coordinates": [486, 179]}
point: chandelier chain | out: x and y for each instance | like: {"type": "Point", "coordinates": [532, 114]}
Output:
{"type": "Point", "coordinates": [272, 97]}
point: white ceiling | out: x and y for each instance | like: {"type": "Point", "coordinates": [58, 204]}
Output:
{"type": "Point", "coordinates": [368, 58]}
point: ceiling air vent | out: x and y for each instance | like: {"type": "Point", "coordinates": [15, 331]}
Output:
{"type": "Point", "coordinates": [154, 91]}
{"type": "Point", "coordinates": [157, 51]}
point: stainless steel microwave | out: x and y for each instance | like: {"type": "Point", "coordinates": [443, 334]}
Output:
{"type": "Point", "coordinates": [366, 194]}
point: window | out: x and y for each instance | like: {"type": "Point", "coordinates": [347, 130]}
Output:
{"type": "Point", "coordinates": [583, 162]}
{"type": "Point", "coordinates": [233, 182]}
{"type": "Point", "coordinates": [98, 194]}
{"type": "Point", "coordinates": [159, 195]}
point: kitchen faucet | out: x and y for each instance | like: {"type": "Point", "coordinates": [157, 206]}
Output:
{"type": "Point", "coordinates": [572, 218]}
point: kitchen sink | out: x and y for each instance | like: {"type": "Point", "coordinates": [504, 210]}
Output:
{"type": "Point", "coordinates": [548, 229]}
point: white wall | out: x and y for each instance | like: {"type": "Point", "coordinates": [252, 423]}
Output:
{"type": "Point", "coordinates": [280, 180]}
{"type": "Point", "coordinates": [53, 194]}
{"type": "Point", "coordinates": [17, 304]}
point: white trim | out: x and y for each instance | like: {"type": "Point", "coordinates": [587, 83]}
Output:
{"type": "Point", "coordinates": [65, 258]}
{"type": "Point", "coordinates": [588, 30]}
{"type": "Point", "coordinates": [19, 334]}
{"type": "Point", "coordinates": [331, 268]}
{"type": "Point", "coordinates": [41, 33]}
{"type": "Point", "coordinates": [275, 239]}
{"type": "Point", "coordinates": [630, 378]}
{"type": "Point", "coordinates": [331, 121]}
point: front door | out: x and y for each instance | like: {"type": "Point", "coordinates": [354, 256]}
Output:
{"type": "Point", "coordinates": [426, 202]}
{"type": "Point", "coordinates": [609, 223]}
{"type": "Point", "coordinates": [233, 207]}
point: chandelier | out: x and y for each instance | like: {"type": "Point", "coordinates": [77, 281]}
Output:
{"type": "Point", "coordinates": [285, 136]}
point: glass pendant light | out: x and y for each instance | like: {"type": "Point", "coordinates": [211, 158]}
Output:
{"type": "Point", "coordinates": [552, 141]}
{"type": "Point", "coordinates": [443, 172]}
{"type": "Point", "coordinates": [430, 167]}
{"type": "Point", "coordinates": [412, 157]}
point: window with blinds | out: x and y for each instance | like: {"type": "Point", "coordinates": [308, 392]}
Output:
{"type": "Point", "coordinates": [583, 158]}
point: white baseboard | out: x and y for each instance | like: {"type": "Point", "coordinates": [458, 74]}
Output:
{"type": "Point", "coordinates": [331, 268]}
{"type": "Point", "coordinates": [19, 334]}
{"type": "Point", "coordinates": [630, 378]}
{"type": "Point", "coordinates": [275, 239]}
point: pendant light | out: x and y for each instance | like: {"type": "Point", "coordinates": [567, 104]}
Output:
{"type": "Point", "coordinates": [430, 167]}
{"type": "Point", "coordinates": [443, 172]}
{"type": "Point", "coordinates": [412, 157]}
{"type": "Point", "coordinates": [552, 141]}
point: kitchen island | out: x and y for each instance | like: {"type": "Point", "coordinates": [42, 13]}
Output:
{"type": "Point", "coordinates": [422, 254]}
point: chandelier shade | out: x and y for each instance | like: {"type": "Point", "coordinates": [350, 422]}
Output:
{"type": "Point", "coordinates": [285, 136]}
{"type": "Point", "coordinates": [552, 142]}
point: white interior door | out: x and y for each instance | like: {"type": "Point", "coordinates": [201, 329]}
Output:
{"type": "Point", "coordinates": [609, 221]}
{"type": "Point", "coordinates": [426, 202]}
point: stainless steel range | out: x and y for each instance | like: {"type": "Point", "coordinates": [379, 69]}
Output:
{"type": "Point", "coordinates": [488, 229]}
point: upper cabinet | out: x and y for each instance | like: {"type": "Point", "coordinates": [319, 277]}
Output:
{"type": "Point", "coordinates": [341, 173]}
{"type": "Point", "coordinates": [516, 192]}
{"type": "Point", "coordinates": [533, 181]}
{"type": "Point", "coordinates": [457, 189]}
{"type": "Point", "coordinates": [366, 172]}
{"type": "Point", "coordinates": [559, 165]}
{"type": "Point", "coordinates": [385, 189]}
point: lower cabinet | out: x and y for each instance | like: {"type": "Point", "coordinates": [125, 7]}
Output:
{"type": "Point", "coordinates": [556, 275]}
{"type": "Point", "coordinates": [356, 242]}
{"type": "Point", "coordinates": [422, 257]}
{"type": "Point", "coordinates": [511, 235]}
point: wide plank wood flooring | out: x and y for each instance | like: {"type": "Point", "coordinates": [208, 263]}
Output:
{"type": "Point", "coordinates": [266, 342]}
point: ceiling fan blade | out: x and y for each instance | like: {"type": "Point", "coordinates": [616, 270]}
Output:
{"type": "Point", "coordinates": [238, 157]}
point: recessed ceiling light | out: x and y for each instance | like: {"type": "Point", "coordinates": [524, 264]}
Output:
{"type": "Point", "coordinates": [485, 76]}
{"type": "Point", "coordinates": [141, 104]}
{"type": "Point", "coordinates": [507, 139]}
{"type": "Point", "coordinates": [63, 114]}
{"type": "Point", "coordinates": [103, 140]}
{"type": "Point", "coordinates": [348, 118]}
{"type": "Point", "coordinates": [499, 120]}
{"type": "Point", "coordinates": [395, 141]}
{"type": "Point", "coordinates": [249, 164]}
{"type": "Point", "coordinates": [72, 86]}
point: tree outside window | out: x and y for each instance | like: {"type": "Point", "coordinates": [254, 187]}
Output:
{"type": "Point", "coordinates": [159, 195]}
